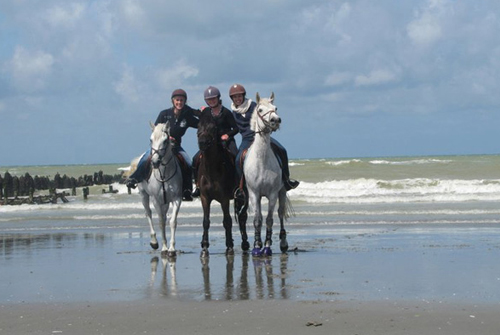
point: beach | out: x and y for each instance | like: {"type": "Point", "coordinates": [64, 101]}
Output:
{"type": "Point", "coordinates": [361, 280]}
{"type": "Point", "coordinates": [384, 247]}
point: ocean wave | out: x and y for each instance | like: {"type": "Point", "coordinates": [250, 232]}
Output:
{"type": "Point", "coordinates": [412, 162]}
{"type": "Point", "coordinates": [344, 162]}
{"type": "Point", "coordinates": [397, 191]}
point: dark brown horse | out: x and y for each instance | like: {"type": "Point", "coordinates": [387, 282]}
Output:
{"type": "Point", "coordinates": [216, 180]}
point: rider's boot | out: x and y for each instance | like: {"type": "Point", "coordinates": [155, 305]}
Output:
{"type": "Point", "coordinates": [196, 192]}
{"type": "Point", "coordinates": [291, 184]}
{"type": "Point", "coordinates": [186, 195]}
{"type": "Point", "coordinates": [239, 194]}
{"type": "Point", "coordinates": [131, 182]}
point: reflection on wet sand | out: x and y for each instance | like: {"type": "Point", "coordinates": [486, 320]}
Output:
{"type": "Point", "coordinates": [261, 283]}
{"type": "Point", "coordinates": [25, 244]}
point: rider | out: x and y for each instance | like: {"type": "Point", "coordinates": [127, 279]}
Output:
{"type": "Point", "coordinates": [226, 127]}
{"type": "Point", "coordinates": [242, 111]}
{"type": "Point", "coordinates": [181, 116]}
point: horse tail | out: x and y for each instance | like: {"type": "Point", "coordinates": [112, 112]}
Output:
{"type": "Point", "coordinates": [288, 210]}
{"type": "Point", "coordinates": [132, 167]}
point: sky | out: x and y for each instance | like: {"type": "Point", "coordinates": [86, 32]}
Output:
{"type": "Point", "coordinates": [81, 80]}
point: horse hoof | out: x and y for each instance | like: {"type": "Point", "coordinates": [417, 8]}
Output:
{"type": "Point", "coordinates": [256, 252]}
{"type": "Point", "coordinates": [229, 252]}
{"type": "Point", "coordinates": [155, 246]}
{"type": "Point", "coordinates": [284, 246]}
{"type": "Point", "coordinates": [267, 252]}
{"type": "Point", "coordinates": [204, 253]}
{"type": "Point", "coordinates": [169, 254]}
{"type": "Point", "coordinates": [245, 246]}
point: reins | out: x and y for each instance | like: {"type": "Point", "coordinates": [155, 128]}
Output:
{"type": "Point", "coordinates": [162, 179]}
{"type": "Point", "coordinates": [267, 127]}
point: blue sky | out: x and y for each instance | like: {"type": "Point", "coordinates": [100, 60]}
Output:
{"type": "Point", "coordinates": [80, 80]}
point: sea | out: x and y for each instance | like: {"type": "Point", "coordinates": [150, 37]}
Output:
{"type": "Point", "coordinates": [445, 190]}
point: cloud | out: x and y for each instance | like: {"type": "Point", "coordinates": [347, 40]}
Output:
{"type": "Point", "coordinates": [426, 28]}
{"type": "Point", "coordinates": [65, 16]}
{"type": "Point", "coordinates": [30, 70]}
{"type": "Point", "coordinates": [375, 77]}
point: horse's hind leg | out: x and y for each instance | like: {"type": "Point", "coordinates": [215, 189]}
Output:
{"type": "Point", "coordinates": [282, 208]}
{"type": "Point", "coordinates": [228, 227]}
{"type": "Point", "coordinates": [145, 202]}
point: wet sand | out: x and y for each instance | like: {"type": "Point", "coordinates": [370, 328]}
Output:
{"type": "Point", "coordinates": [405, 279]}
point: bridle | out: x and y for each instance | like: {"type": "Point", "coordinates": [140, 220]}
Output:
{"type": "Point", "coordinates": [162, 179]}
{"type": "Point", "coordinates": [267, 125]}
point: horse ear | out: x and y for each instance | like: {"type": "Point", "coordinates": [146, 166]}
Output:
{"type": "Point", "coordinates": [271, 98]}
{"type": "Point", "coordinates": [257, 97]}
{"type": "Point", "coordinates": [166, 127]}
{"type": "Point", "coordinates": [152, 125]}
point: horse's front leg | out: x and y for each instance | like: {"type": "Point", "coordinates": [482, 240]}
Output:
{"type": "Point", "coordinates": [269, 226]}
{"type": "Point", "coordinates": [257, 224]}
{"type": "Point", "coordinates": [227, 222]}
{"type": "Point", "coordinates": [173, 227]}
{"type": "Point", "coordinates": [241, 213]}
{"type": "Point", "coordinates": [162, 214]}
{"type": "Point", "coordinates": [206, 226]}
{"type": "Point", "coordinates": [147, 210]}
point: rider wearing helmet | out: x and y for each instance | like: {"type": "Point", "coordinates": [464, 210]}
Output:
{"type": "Point", "coordinates": [226, 126]}
{"type": "Point", "coordinates": [181, 117]}
{"type": "Point", "coordinates": [242, 112]}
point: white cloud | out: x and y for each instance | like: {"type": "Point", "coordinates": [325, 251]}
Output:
{"type": "Point", "coordinates": [338, 78]}
{"type": "Point", "coordinates": [375, 77]}
{"type": "Point", "coordinates": [67, 16]}
{"type": "Point", "coordinates": [30, 70]}
{"type": "Point", "coordinates": [175, 75]}
{"type": "Point", "coordinates": [127, 87]}
{"type": "Point", "coordinates": [426, 28]}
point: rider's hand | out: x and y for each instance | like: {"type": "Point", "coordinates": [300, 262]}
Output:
{"type": "Point", "coordinates": [224, 137]}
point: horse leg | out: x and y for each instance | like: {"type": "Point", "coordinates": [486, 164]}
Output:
{"type": "Point", "coordinates": [228, 227]}
{"type": "Point", "coordinates": [269, 227]}
{"type": "Point", "coordinates": [145, 202]}
{"type": "Point", "coordinates": [206, 226]}
{"type": "Point", "coordinates": [241, 211]}
{"type": "Point", "coordinates": [173, 227]}
{"type": "Point", "coordinates": [282, 207]}
{"type": "Point", "coordinates": [257, 223]}
{"type": "Point", "coordinates": [162, 214]}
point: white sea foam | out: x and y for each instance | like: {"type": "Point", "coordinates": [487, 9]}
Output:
{"type": "Point", "coordinates": [411, 162]}
{"type": "Point", "coordinates": [397, 191]}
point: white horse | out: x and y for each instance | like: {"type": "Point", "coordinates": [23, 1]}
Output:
{"type": "Point", "coordinates": [164, 185]}
{"type": "Point", "coordinates": [263, 176]}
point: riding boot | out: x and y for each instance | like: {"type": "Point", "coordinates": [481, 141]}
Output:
{"type": "Point", "coordinates": [131, 182]}
{"type": "Point", "coordinates": [196, 164]}
{"type": "Point", "coordinates": [291, 184]}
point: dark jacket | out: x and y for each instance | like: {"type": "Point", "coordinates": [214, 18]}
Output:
{"type": "Point", "coordinates": [225, 122]}
{"type": "Point", "coordinates": [243, 122]}
{"type": "Point", "coordinates": [179, 125]}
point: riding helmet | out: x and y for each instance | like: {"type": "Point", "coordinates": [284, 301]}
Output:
{"type": "Point", "coordinates": [211, 92]}
{"type": "Point", "coordinates": [237, 89]}
{"type": "Point", "coordinates": [179, 93]}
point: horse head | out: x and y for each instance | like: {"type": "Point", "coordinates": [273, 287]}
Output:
{"type": "Point", "coordinates": [207, 131]}
{"type": "Point", "coordinates": [265, 118]}
{"type": "Point", "coordinates": [160, 142]}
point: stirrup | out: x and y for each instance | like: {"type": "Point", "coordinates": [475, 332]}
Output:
{"type": "Point", "coordinates": [291, 184]}
{"type": "Point", "coordinates": [196, 193]}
